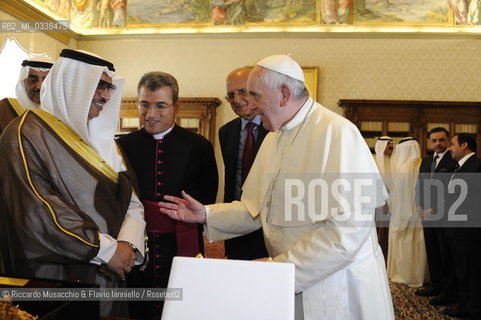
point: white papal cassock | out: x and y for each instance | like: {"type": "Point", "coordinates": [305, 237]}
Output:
{"type": "Point", "coordinates": [340, 271]}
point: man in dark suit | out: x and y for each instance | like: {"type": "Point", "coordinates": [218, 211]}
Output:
{"type": "Point", "coordinates": [434, 168]}
{"type": "Point", "coordinates": [463, 199]}
{"type": "Point", "coordinates": [166, 159]}
{"type": "Point", "coordinates": [238, 154]}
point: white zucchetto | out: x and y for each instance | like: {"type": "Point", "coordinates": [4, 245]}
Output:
{"type": "Point", "coordinates": [283, 64]}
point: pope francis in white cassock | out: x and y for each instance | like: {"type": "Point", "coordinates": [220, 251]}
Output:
{"type": "Point", "coordinates": [407, 260]}
{"type": "Point", "coordinates": [340, 270]}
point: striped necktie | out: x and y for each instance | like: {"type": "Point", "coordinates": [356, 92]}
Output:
{"type": "Point", "coordinates": [433, 163]}
{"type": "Point", "coordinates": [248, 151]}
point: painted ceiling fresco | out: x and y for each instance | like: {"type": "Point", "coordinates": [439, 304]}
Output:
{"type": "Point", "coordinates": [123, 14]}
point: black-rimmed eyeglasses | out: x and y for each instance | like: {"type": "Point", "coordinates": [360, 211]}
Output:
{"type": "Point", "coordinates": [105, 85]}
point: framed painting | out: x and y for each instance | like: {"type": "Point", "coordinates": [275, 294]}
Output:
{"type": "Point", "coordinates": [311, 75]}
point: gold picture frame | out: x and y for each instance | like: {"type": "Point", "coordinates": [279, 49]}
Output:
{"type": "Point", "coordinates": [311, 74]}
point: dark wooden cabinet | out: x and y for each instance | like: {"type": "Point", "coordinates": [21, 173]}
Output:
{"type": "Point", "coordinates": [196, 114]}
{"type": "Point", "coordinates": [402, 118]}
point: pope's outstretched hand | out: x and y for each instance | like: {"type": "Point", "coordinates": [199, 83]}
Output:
{"type": "Point", "coordinates": [187, 209]}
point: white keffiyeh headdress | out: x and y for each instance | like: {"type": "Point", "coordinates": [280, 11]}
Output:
{"type": "Point", "coordinates": [407, 150]}
{"type": "Point", "coordinates": [67, 93]}
{"type": "Point", "coordinates": [39, 63]}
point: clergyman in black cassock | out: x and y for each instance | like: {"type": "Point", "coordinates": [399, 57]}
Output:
{"type": "Point", "coordinates": [166, 159]}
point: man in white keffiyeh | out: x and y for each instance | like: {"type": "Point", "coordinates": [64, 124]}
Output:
{"type": "Point", "coordinates": [81, 85]}
{"type": "Point", "coordinates": [70, 209]}
{"type": "Point", "coordinates": [384, 150]}
{"type": "Point", "coordinates": [32, 75]}
{"type": "Point", "coordinates": [27, 91]}
{"type": "Point", "coordinates": [406, 262]}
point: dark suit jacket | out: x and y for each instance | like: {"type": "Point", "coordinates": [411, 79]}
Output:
{"type": "Point", "coordinates": [229, 135]}
{"type": "Point", "coordinates": [249, 246]}
{"type": "Point", "coordinates": [470, 172]}
{"type": "Point", "coordinates": [189, 164]}
{"type": "Point", "coordinates": [442, 174]}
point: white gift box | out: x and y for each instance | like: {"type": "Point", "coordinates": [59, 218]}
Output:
{"type": "Point", "coordinates": [231, 289]}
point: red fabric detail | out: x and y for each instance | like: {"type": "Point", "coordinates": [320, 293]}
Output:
{"type": "Point", "coordinates": [187, 234]}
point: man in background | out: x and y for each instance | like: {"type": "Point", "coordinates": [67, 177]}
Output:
{"type": "Point", "coordinates": [240, 140]}
{"type": "Point", "coordinates": [384, 148]}
{"type": "Point", "coordinates": [406, 262]}
{"type": "Point", "coordinates": [432, 178]}
{"type": "Point", "coordinates": [166, 159]}
{"type": "Point", "coordinates": [32, 75]}
{"type": "Point", "coordinates": [69, 209]}
{"type": "Point", "coordinates": [464, 237]}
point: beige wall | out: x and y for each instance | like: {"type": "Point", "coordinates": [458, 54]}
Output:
{"type": "Point", "coordinates": [349, 68]}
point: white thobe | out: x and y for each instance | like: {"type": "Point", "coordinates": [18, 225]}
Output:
{"type": "Point", "coordinates": [406, 261]}
{"type": "Point", "coordinates": [340, 269]}
{"type": "Point", "coordinates": [386, 173]}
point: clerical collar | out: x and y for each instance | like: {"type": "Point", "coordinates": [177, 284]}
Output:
{"type": "Point", "coordinates": [465, 158]}
{"type": "Point", "coordinates": [256, 120]}
{"type": "Point", "coordinates": [300, 115]}
{"type": "Point", "coordinates": [159, 136]}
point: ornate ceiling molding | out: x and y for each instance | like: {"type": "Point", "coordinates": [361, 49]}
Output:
{"type": "Point", "coordinates": [32, 10]}
{"type": "Point", "coordinates": [23, 11]}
